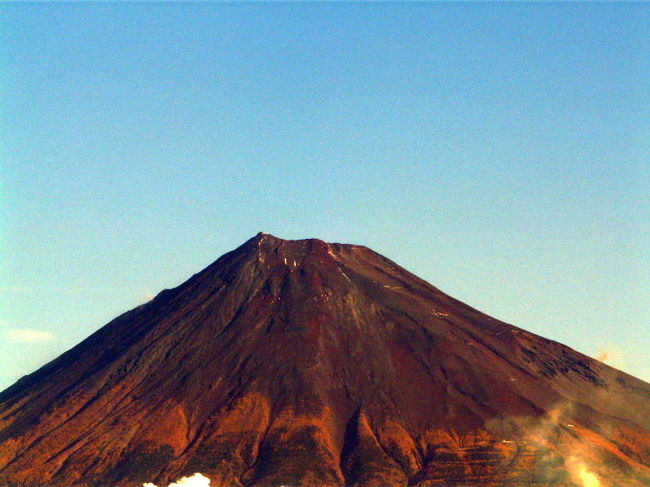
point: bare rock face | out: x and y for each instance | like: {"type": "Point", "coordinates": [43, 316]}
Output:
{"type": "Point", "coordinates": [303, 363]}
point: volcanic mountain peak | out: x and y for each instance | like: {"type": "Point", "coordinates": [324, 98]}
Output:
{"type": "Point", "coordinates": [297, 248]}
{"type": "Point", "coordinates": [306, 363]}
{"type": "Point", "coordinates": [265, 255]}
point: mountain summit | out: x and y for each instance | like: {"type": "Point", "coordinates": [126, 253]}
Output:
{"type": "Point", "coordinates": [306, 363]}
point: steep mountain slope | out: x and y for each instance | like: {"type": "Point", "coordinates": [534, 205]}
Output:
{"type": "Point", "coordinates": [304, 363]}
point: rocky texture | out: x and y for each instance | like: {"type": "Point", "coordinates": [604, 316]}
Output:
{"type": "Point", "coordinates": [304, 363]}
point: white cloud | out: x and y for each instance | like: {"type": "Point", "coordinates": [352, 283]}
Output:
{"type": "Point", "coordinates": [196, 480]}
{"type": "Point", "coordinates": [29, 336]}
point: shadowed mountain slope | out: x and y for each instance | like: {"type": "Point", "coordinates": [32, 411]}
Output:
{"type": "Point", "coordinates": [304, 363]}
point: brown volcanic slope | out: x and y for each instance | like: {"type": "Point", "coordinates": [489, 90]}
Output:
{"type": "Point", "coordinates": [303, 363]}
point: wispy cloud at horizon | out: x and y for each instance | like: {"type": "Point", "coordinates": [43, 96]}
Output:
{"type": "Point", "coordinates": [18, 335]}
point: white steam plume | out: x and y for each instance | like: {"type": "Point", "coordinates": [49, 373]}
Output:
{"type": "Point", "coordinates": [547, 430]}
{"type": "Point", "coordinates": [579, 470]}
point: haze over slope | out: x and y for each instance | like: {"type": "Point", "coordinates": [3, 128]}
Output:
{"type": "Point", "coordinates": [316, 364]}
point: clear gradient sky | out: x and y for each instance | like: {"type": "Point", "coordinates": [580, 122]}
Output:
{"type": "Point", "coordinates": [499, 151]}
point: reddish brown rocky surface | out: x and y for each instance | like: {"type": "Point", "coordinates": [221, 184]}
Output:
{"type": "Point", "coordinates": [303, 363]}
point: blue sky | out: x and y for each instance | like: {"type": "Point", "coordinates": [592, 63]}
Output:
{"type": "Point", "coordinates": [500, 151]}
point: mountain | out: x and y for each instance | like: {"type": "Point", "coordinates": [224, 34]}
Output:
{"type": "Point", "coordinates": [304, 363]}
